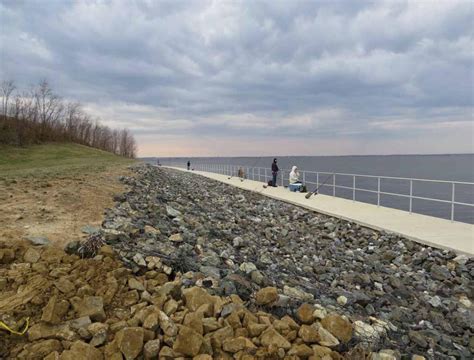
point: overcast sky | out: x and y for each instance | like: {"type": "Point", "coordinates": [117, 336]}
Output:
{"type": "Point", "coordinates": [256, 77]}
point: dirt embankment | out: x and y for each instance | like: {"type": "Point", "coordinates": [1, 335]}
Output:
{"type": "Point", "coordinates": [56, 207]}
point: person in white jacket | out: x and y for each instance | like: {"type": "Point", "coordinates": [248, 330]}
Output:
{"type": "Point", "coordinates": [294, 181]}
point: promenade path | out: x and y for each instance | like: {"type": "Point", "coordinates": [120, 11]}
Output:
{"type": "Point", "coordinates": [428, 230]}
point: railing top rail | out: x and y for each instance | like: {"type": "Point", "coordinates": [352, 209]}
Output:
{"type": "Point", "coordinates": [362, 175]}
{"type": "Point", "coordinates": [377, 176]}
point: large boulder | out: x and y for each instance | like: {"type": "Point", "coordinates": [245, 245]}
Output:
{"type": "Point", "coordinates": [309, 334]}
{"type": "Point", "coordinates": [188, 342]}
{"type": "Point", "coordinates": [130, 342]}
{"type": "Point", "coordinates": [55, 310]}
{"type": "Point", "coordinates": [266, 296]}
{"type": "Point", "coordinates": [40, 349]}
{"type": "Point", "coordinates": [305, 313]}
{"type": "Point", "coordinates": [151, 349]}
{"type": "Point", "coordinates": [338, 326]}
{"type": "Point", "coordinates": [81, 351]}
{"type": "Point", "coordinates": [195, 297]}
{"type": "Point", "coordinates": [271, 337]}
{"type": "Point", "coordinates": [92, 306]}
{"type": "Point", "coordinates": [237, 344]}
{"type": "Point", "coordinates": [48, 331]}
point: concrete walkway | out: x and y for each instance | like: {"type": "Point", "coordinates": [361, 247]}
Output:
{"type": "Point", "coordinates": [428, 230]}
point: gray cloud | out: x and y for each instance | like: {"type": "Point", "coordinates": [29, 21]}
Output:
{"type": "Point", "coordinates": [305, 69]}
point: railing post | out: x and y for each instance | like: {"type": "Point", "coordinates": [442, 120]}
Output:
{"type": "Point", "coordinates": [333, 184]}
{"type": "Point", "coordinates": [453, 191]}
{"type": "Point", "coordinates": [411, 195]}
{"type": "Point", "coordinates": [378, 191]}
{"type": "Point", "coordinates": [317, 180]}
{"type": "Point", "coordinates": [265, 180]}
{"type": "Point", "coordinates": [282, 176]}
{"type": "Point", "coordinates": [353, 188]}
{"type": "Point", "coordinates": [304, 177]}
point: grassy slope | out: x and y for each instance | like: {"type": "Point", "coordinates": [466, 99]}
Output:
{"type": "Point", "coordinates": [54, 160]}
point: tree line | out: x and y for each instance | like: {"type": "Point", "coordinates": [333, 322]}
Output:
{"type": "Point", "coordinates": [39, 115]}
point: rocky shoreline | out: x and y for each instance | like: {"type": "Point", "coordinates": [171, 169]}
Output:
{"type": "Point", "coordinates": [186, 267]}
{"type": "Point", "coordinates": [401, 295]}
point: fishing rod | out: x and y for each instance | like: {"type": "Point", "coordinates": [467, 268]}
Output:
{"type": "Point", "coordinates": [315, 192]}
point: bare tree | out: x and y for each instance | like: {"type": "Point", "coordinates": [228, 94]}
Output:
{"type": "Point", "coordinates": [116, 141]}
{"type": "Point", "coordinates": [40, 115]}
{"type": "Point", "coordinates": [48, 106]}
{"type": "Point", "coordinates": [72, 116]}
{"type": "Point", "coordinates": [7, 87]}
{"type": "Point", "coordinates": [127, 144]}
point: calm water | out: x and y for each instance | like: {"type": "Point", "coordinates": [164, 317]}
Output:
{"type": "Point", "coordinates": [434, 167]}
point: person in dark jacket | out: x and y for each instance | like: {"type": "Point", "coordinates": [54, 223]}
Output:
{"type": "Point", "coordinates": [189, 164]}
{"type": "Point", "coordinates": [274, 172]}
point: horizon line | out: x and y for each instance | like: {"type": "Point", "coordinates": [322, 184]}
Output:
{"type": "Point", "coordinates": [289, 156]}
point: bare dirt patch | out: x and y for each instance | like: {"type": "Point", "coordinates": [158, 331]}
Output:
{"type": "Point", "coordinates": [57, 207]}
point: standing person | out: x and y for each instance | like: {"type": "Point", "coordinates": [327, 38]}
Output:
{"type": "Point", "coordinates": [189, 164]}
{"type": "Point", "coordinates": [274, 172]}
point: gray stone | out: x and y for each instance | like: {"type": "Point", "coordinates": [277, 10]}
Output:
{"type": "Point", "coordinates": [91, 230]}
{"type": "Point", "coordinates": [440, 273]}
{"type": "Point", "coordinates": [38, 240]}
{"type": "Point", "coordinates": [247, 267]}
{"type": "Point", "coordinates": [72, 247]}
{"type": "Point", "coordinates": [172, 212]}
{"type": "Point", "coordinates": [211, 271]}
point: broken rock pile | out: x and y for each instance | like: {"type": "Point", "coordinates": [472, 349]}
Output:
{"type": "Point", "coordinates": [98, 309]}
{"type": "Point", "coordinates": [400, 294]}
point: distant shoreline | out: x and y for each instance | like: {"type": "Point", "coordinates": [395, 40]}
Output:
{"type": "Point", "coordinates": [290, 156]}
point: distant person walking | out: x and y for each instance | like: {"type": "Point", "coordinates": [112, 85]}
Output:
{"type": "Point", "coordinates": [274, 172]}
{"type": "Point", "coordinates": [189, 164]}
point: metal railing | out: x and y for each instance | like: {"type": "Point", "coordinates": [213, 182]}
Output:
{"type": "Point", "coordinates": [329, 180]}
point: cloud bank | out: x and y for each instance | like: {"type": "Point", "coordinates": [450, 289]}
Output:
{"type": "Point", "coordinates": [254, 77]}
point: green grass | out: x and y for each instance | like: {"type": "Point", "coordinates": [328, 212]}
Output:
{"type": "Point", "coordinates": [54, 159]}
